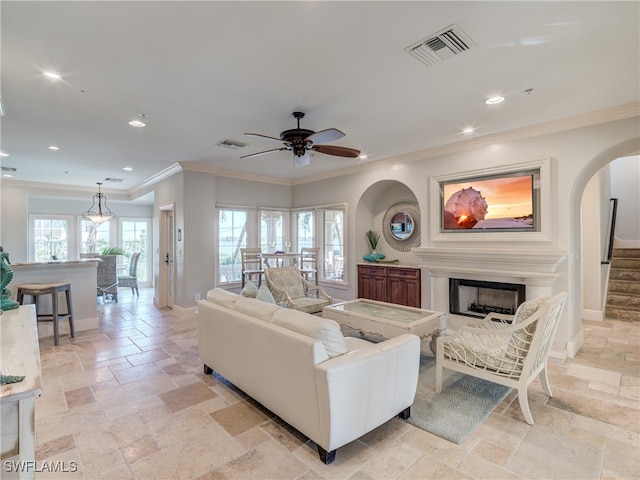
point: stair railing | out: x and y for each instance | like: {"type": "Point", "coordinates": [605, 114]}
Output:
{"type": "Point", "coordinates": [611, 228]}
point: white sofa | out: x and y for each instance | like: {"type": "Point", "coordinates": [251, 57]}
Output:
{"type": "Point", "coordinates": [331, 388]}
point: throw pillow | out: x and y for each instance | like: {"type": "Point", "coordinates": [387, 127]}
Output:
{"type": "Point", "coordinates": [265, 295]}
{"type": "Point", "coordinates": [250, 290]}
{"type": "Point", "coordinates": [325, 330]}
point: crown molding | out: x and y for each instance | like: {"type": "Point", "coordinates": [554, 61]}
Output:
{"type": "Point", "coordinates": [72, 191]}
{"type": "Point", "coordinates": [613, 114]}
{"type": "Point", "coordinates": [238, 175]}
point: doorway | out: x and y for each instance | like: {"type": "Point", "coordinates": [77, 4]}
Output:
{"type": "Point", "coordinates": [166, 256]}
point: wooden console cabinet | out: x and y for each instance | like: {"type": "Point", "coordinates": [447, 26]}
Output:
{"type": "Point", "coordinates": [384, 283]}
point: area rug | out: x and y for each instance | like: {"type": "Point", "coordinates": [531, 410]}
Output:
{"type": "Point", "coordinates": [464, 403]}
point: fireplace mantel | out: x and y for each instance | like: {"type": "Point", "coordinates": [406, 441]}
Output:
{"type": "Point", "coordinates": [523, 265]}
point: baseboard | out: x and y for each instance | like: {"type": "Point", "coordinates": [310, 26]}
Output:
{"type": "Point", "coordinates": [573, 347]}
{"type": "Point", "coordinates": [597, 315]}
{"type": "Point", "coordinates": [183, 312]}
{"type": "Point", "coordinates": [45, 329]}
{"type": "Point", "coordinates": [620, 243]}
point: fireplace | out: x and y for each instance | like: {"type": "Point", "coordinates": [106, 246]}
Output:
{"type": "Point", "coordinates": [476, 298]}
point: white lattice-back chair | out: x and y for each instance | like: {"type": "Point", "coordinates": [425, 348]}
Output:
{"type": "Point", "coordinates": [291, 290]}
{"type": "Point", "coordinates": [505, 350]}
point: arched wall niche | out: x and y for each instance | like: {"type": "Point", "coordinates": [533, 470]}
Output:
{"type": "Point", "coordinates": [370, 211]}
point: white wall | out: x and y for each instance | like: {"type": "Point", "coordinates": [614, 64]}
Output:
{"type": "Point", "coordinates": [625, 186]}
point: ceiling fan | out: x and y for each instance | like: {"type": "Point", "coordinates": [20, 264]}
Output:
{"type": "Point", "coordinates": [300, 141]}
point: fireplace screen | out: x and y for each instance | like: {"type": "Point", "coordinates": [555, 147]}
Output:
{"type": "Point", "coordinates": [473, 298]}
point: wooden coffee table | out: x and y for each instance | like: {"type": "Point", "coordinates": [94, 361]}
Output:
{"type": "Point", "coordinates": [387, 320]}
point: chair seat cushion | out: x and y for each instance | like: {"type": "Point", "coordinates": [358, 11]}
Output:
{"type": "Point", "coordinates": [309, 304]}
{"type": "Point", "coordinates": [486, 352]}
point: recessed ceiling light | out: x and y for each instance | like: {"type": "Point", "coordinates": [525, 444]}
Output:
{"type": "Point", "coordinates": [53, 147]}
{"type": "Point", "coordinates": [127, 169]}
{"type": "Point", "coordinates": [468, 130]}
{"type": "Point", "coordinates": [52, 75]}
{"type": "Point", "coordinates": [2, 154]}
{"type": "Point", "coordinates": [7, 175]}
{"type": "Point", "coordinates": [494, 100]}
{"type": "Point", "coordinates": [139, 122]}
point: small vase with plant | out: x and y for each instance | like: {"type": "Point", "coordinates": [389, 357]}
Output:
{"type": "Point", "coordinates": [373, 239]}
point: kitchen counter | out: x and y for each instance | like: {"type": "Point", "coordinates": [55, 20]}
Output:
{"type": "Point", "coordinates": [83, 277]}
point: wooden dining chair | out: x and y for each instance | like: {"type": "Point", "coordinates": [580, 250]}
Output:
{"type": "Point", "coordinates": [309, 263]}
{"type": "Point", "coordinates": [251, 264]}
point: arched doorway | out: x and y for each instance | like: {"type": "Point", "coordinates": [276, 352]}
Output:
{"type": "Point", "coordinates": [575, 303]}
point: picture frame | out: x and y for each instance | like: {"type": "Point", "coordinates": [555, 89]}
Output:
{"type": "Point", "coordinates": [505, 203]}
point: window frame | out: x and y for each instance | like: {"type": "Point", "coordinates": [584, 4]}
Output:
{"type": "Point", "coordinates": [72, 241]}
{"type": "Point", "coordinates": [320, 230]}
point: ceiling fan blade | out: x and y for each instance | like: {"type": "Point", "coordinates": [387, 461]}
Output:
{"type": "Point", "coordinates": [265, 152]}
{"type": "Point", "coordinates": [337, 151]}
{"type": "Point", "coordinates": [301, 161]}
{"type": "Point", "coordinates": [267, 137]}
{"type": "Point", "coordinates": [324, 136]}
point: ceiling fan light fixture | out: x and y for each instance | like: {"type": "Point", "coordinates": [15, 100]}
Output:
{"type": "Point", "coordinates": [301, 161]}
{"type": "Point", "coordinates": [300, 141]}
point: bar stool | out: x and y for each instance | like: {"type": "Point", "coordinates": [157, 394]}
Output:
{"type": "Point", "coordinates": [36, 290]}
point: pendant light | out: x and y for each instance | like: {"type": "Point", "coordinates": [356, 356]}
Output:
{"type": "Point", "coordinates": [100, 216]}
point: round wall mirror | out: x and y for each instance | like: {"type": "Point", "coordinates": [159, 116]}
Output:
{"type": "Point", "coordinates": [401, 226]}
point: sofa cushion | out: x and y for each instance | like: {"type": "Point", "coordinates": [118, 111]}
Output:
{"type": "Point", "coordinates": [222, 297]}
{"type": "Point", "coordinates": [256, 309]}
{"type": "Point", "coordinates": [265, 295]}
{"type": "Point", "coordinates": [250, 290]}
{"type": "Point", "coordinates": [325, 330]}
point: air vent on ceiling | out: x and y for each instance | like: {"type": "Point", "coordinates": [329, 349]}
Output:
{"type": "Point", "coordinates": [113, 180]}
{"type": "Point", "coordinates": [440, 46]}
{"type": "Point", "coordinates": [232, 144]}
{"type": "Point", "coordinates": [9, 169]}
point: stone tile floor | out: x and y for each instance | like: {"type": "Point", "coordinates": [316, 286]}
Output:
{"type": "Point", "coordinates": [130, 400]}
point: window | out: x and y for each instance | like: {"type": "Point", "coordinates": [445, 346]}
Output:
{"type": "Point", "coordinates": [93, 237]}
{"type": "Point", "coordinates": [51, 237]}
{"type": "Point", "coordinates": [135, 238]}
{"type": "Point", "coordinates": [232, 236]}
{"type": "Point", "coordinates": [305, 229]}
{"type": "Point", "coordinates": [333, 245]}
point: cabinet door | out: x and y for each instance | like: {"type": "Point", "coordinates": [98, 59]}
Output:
{"type": "Point", "coordinates": [414, 294]}
{"type": "Point", "coordinates": [396, 290]}
{"type": "Point", "coordinates": [404, 287]}
{"type": "Point", "coordinates": [372, 283]}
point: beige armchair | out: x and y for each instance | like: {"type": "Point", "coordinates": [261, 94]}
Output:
{"type": "Point", "coordinates": [291, 290]}
{"type": "Point", "coordinates": [511, 352]}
